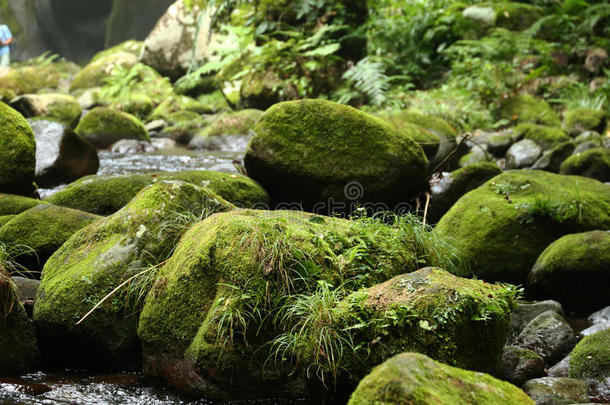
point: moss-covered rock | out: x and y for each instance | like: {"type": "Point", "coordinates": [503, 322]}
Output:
{"type": "Point", "coordinates": [58, 107]}
{"type": "Point", "coordinates": [43, 229]}
{"type": "Point", "coordinates": [104, 195]}
{"type": "Point", "coordinates": [29, 77]}
{"type": "Point", "coordinates": [105, 126]}
{"type": "Point", "coordinates": [11, 204]}
{"type": "Point", "coordinates": [551, 160]}
{"type": "Point", "coordinates": [235, 123]}
{"type": "Point", "coordinates": [520, 365]}
{"type": "Point", "coordinates": [574, 271]}
{"type": "Point", "coordinates": [236, 273]}
{"type": "Point", "coordinates": [429, 141]}
{"type": "Point", "coordinates": [18, 346]}
{"type": "Point", "coordinates": [579, 120]}
{"type": "Point", "coordinates": [547, 137]}
{"type": "Point", "coordinates": [93, 74]}
{"type": "Point", "coordinates": [130, 46]}
{"type": "Point", "coordinates": [557, 390]}
{"type": "Point", "coordinates": [526, 108]}
{"type": "Point", "coordinates": [312, 151]}
{"type": "Point", "coordinates": [96, 260]}
{"type": "Point", "coordinates": [5, 218]}
{"type": "Point", "coordinates": [594, 163]}
{"type": "Point", "coordinates": [18, 151]}
{"type": "Point", "coordinates": [505, 224]}
{"type": "Point", "coordinates": [590, 359]}
{"type": "Point", "coordinates": [412, 378]}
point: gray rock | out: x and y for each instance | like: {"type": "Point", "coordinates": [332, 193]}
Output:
{"type": "Point", "coordinates": [549, 335]}
{"type": "Point", "coordinates": [595, 328]}
{"type": "Point", "coordinates": [163, 143]}
{"type": "Point", "coordinates": [125, 146]}
{"type": "Point", "coordinates": [561, 369]}
{"type": "Point", "coordinates": [62, 156]}
{"type": "Point", "coordinates": [603, 315]}
{"type": "Point", "coordinates": [520, 365]}
{"type": "Point", "coordinates": [551, 160]}
{"type": "Point", "coordinates": [26, 288]}
{"type": "Point", "coordinates": [477, 154]}
{"type": "Point", "coordinates": [522, 154]}
{"type": "Point", "coordinates": [526, 311]}
{"type": "Point", "coordinates": [557, 390]}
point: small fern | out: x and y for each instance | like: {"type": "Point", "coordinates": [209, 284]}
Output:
{"type": "Point", "coordinates": [369, 78]}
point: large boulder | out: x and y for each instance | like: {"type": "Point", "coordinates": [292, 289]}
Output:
{"type": "Point", "coordinates": [11, 204]}
{"type": "Point", "coordinates": [574, 270]}
{"type": "Point", "coordinates": [594, 163]}
{"type": "Point", "coordinates": [104, 195]}
{"type": "Point", "coordinates": [105, 126]}
{"type": "Point", "coordinates": [245, 271]}
{"type": "Point", "coordinates": [18, 346]}
{"type": "Point", "coordinates": [413, 378]}
{"type": "Point", "coordinates": [62, 155]}
{"type": "Point", "coordinates": [58, 107]}
{"type": "Point", "coordinates": [505, 224]}
{"type": "Point", "coordinates": [169, 46]}
{"type": "Point", "coordinates": [18, 151]}
{"type": "Point", "coordinates": [95, 260]}
{"type": "Point", "coordinates": [43, 229]}
{"type": "Point", "coordinates": [328, 156]}
{"type": "Point", "coordinates": [94, 74]}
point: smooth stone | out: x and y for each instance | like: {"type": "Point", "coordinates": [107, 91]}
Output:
{"type": "Point", "coordinates": [561, 369]}
{"type": "Point", "coordinates": [526, 311]}
{"type": "Point", "coordinates": [595, 328]}
{"type": "Point", "coordinates": [603, 315]}
{"type": "Point", "coordinates": [522, 154]}
{"type": "Point", "coordinates": [520, 365]}
{"type": "Point", "coordinates": [163, 143]}
{"type": "Point", "coordinates": [549, 335]}
{"type": "Point", "coordinates": [132, 146]}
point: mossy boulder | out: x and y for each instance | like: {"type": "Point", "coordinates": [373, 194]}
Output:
{"type": "Point", "coordinates": [5, 218]}
{"type": "Point", "coordinates": [311, 151]}
{"type": "Point", "coordinates": [104, 195]}
{"type": "Point", "coordinates": [520, 365]}
{"type": "Point", "coordinates": [93, 74]}
{"type": "Point", "coordinates": [62, 155]}
{"type": "Point", "coordinates": [451, 186]}
{"type": "Point", "coordinates": [261, 90]}
{"type": "Point", "coordinates": [526, 108]}
{"type": "Point", "coordinates": [19, 352]}
{"type": "Point", "coordinates": [96, 260]}
{"type": "Point", "coordinates": [236, 123]}
{"type": "Point", "coordinates": [43, 229]}
{"type": "Point", "coordinates": [58, 107]}
{"type": "Point", "coordinates": [412, 378]}
{"type": "Point", "coordinates": [590, 359]}
{"type": "Point", "coordinates": [594, 163]}
{"type": "Point", "coordinates": [429, 141]}
{"type": "Point", "coordinates": [30, 77]}
{"type": "Point", "coordinates": [267, 261]}
{"type": "Point", "coordinates": [18, 151]}
{"type": "Point", "coordinates": [129, 46]}
{"type": "Point", "coordinates": [105, 126]}
{"type": "Point", "coordinates": [546, 137]}
{"type": "Point", "coordinates": [11, 204]}
{"type": "Point", "coordinates": [505, 224]}
{"type": "Point", "coordinates": [579, 120]}
{"type": "Point", "coordinates": [557, 390]}
{"type": "Point", "coordinates": [574, 270]}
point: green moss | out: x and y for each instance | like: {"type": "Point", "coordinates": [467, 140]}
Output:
{"type": "Point", "coordinates": [525, 108]}
{"type": "Point", "coordinates": [174, 104]}
{"type": "Point", "coordinates": [412, 378]}
{"type": "Point", "coordinates": [105, 126]}
{"type": "Point", "coordinates": [19, 352]}
{"type": "Point", "coordinates": [547, 137]}
{"type": "Point", "coordinates": [308, 151]}
{"type": "Point", "coordinates": [44, 229]}
{"type": "Point", "coordinates": [429, 141]}
{"type": "Point", "coordinates": [594, 163]}
{"type": "Point", "coordinates": [94, 73]}
{"type": "Point", "coordinates": [105, 195]}
{"type": "Point", "coordinates": [30, 77]}
{"type": "Point", "coordinates": [505, 224]}
{"type": "Point", "coordinates": [18, 150]}
{"type": "Point", "coordinates": [574, 271]}
{"type": "Point", "coordinates": [96, 260]}
{"type": "Point", "coordinates": [15, 204]}
{"type": "Point", "coordinates": [5, 218]}
{"type": "Point", "coordinates": [579, 120]}
{"type": "Point", "coordinates": [131, 46]}
{"type": "Point", "coordinates": [552, 160]}
{"type": "Point", "coordinates": [590, 359]}
{"type": "Point", "coordinates": [215, 102]}
{"type": "Point", "coordinates": [260, 90]}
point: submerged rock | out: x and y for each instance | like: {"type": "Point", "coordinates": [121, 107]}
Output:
{"type": "Point", "coordinates": [505, 224]}
{"type": "Point", "coordinates": [18, 151]}
{"type": "Point", "coordinates": [327, 156]}
{"type": "Point", "coordinates": [412, 378]}
{"type": "Point", "coordinates": [104, 195]}
{"type": "Point", "coordinates": [105, 126]}
{"type": "Point", "coordinates": [62, 156]}
{"type": "Point", "coordinates": [574, 270]}
{"type": "Point", "coordinates": [95, 260]}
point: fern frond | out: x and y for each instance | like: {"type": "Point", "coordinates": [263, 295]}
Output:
{"type": "Point", "coordinates": [370, 79]}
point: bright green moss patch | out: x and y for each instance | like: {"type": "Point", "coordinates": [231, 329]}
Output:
{"type": "Point", "coordinates": [105, 126]}
{"type": "Point", "coordinates": [579, 120]}
{"type": "Point", "coordinates": [590, 359]}
{"type": "Point", "coordinates": [526, 108]}
{"type": "Point", "coordinates": [96, 260]}
{"type": "Point", "coordinates": [505, 224]}
{"type": "Point", "coordinates": [412, 378]}
{"type": "Point", "coordinates": [594, 163]}
{"type": "Point", "coordinates": [18, 152]}
{"type": "Point", "coordinates": [308, 151]}
{"type": "Point", "coordinates": [44, 229]}
{"type": "Point", "coordinates": [11, 204]}
{"type": "Point", "coordinates": [547, 137]}
{"type": "Point", "coordinates": [104, 195]}
{"type": "Point", "coordinates": [95, 72]}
